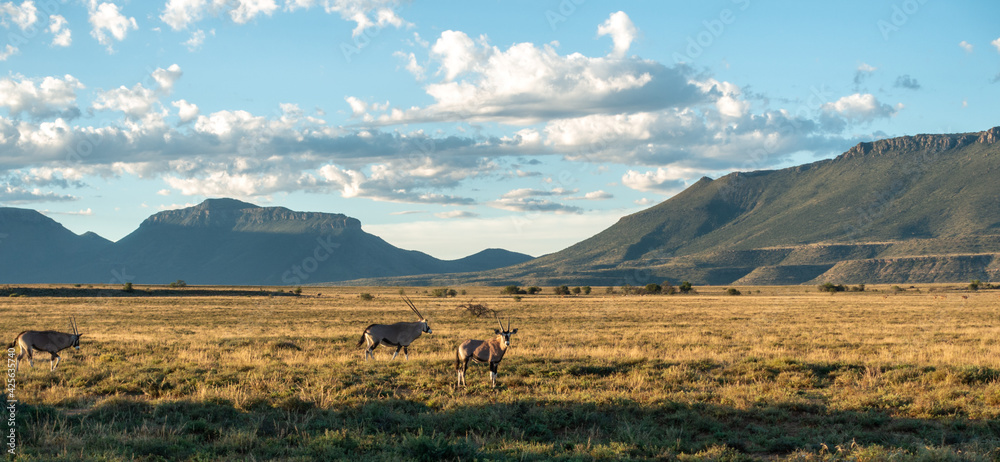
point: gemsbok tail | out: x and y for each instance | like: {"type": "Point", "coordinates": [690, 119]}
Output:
{"type": "Point", "coordinates": [361, 341]}
{"type": "Point", "coordinates": [15, 340]}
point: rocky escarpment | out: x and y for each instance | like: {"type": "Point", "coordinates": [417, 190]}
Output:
{"type": "Point", "coordinates": [926, 143]}
{"type": "Point", "coordinates": [234, 215]}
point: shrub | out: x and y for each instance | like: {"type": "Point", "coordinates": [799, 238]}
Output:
{"type": "Point", "coordinates": [534, 290]}
{"type": "Point", "coordinates": [627, 289]}
{"type": "Point", "coordinates": [609, 290]}
{"type": "Point", "coordinates": [178, 283]}
{"type": "Point", "coordinates": [561, 290]}
{"type": "Point", "coordinates": [444, 292]}
{"type": "Point", "coordinates": [577, 290]}
{"type": "Point", "coordinates": [298, 290]}
{"type": "Point", "coordinates": [366, 296]}
{"type": "Point", "coordinates": [668, 288]}
{"type": "Point", "coordinates": [653, 288]}
{"type": "Point", "coordinates": [586, 290]}
{"type": "Point", "coordinates": [831, 287]}
{"type": "Point", "coordinates": [128, 287]}
{"type": "Point", "coordinates": [475, 309]}
{"type": "Point", "coordinates": [732, 291]}
{"type": "Point", "coordinates": [858, 288]}
{"type": "Point", "coordinates": [686, 287]}
{"type": "Point", "coordinates": [512, 290]}
{"type": "Point", "coordinates": [974, 285]}
{"type": "Point", "coordinates": [897, 289]}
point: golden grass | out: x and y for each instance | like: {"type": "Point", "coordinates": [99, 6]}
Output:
{"type": "Point", "coordinates": [927, 354]}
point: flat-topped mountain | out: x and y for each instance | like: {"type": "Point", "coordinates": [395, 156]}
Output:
{"type": "Point", "coordinates": [220, 241]}
{"type": "Point", "coordinates": [920, 208]}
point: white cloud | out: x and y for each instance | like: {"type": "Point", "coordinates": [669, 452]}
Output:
{"type": "Point", "coordinates": [109, 23]}
{"type": "Point", "coordinates": [23, 16]}
{"type": "Point", "coordinates": [453, 214]}
{"type": "Point", "coordinates": [7, 52]}
{"type": "Point", "coordinates": [456, 52]}
{"type": "Point", "coordinates": [859, 108]}
{"type": "Point", "coordinates": [166, 78]}
{"type": "Point", "coordinates": [246, 10]}
{"type": "Point", "coordinates": [62, 36]}
{"type": "Point", "coordinates": [526, 84]}
{"type": "Point", "coordinates": [50, 97]}
{"type": "Point", "coordinates": [135, 102]}
{"type": "Point", "coordinates": [996, 44]}
{"type": "Point", "coordinates": [662, 180]}
{"type": "Point", "coordinates": [196, 41]}
{"type": "Point", "coordinates": [411, 64]}
{"type": "Point", "coordinates": [186, 111]}
{"type": "Point", "coordinates": [621, 30]}
{"type": "Point", "coordinates": [15, 195]}
{"type": "Point", "coordinates": [179, 13]}
{"type": "Point", "coordinates": [866, 68]}
{"type": "Point", "coordinates": [533, 206]}
{"type": "Point", "coordinates": [965, 46]}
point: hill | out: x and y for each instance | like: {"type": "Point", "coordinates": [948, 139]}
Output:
{"type": "Point", "coordinates": [904, 210]}
{"type": "Point", "coordinates": [220, 241]}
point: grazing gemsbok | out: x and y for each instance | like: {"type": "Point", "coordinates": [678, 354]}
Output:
{"type": "Point", "coordinates": [484, 351]}
{"type": "Point", "coordinates": [399, 335]}
{"type": "Point", "coordinates": [49, 341]}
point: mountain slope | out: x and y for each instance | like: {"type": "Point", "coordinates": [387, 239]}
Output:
{"type": "Point", "coordinates": [929, 198]}
{"type": "Point", "coordinates": [220, 241]}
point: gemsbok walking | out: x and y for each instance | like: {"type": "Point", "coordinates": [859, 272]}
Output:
{"type": "Point", "coordinates": [48, 341]}
{"type": "Point", "coordinates": [399, 335]}
{"type": "Point", "coordinates": [484, 351]}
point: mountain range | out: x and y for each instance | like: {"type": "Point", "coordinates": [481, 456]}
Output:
{"type": "Point", "coordinates": [912, 209]}
{"type": "Point", "coordinates": [220, 241]}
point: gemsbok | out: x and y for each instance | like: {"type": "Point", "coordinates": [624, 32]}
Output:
{"type": "Point", "coordinates": [484, 351]}
{"type": "Point", "coordinates": [48, 341]}
{"type": "Point", "coordinates": [399, 335]}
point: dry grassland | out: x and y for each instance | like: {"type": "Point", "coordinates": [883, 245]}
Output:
{"type": "Point", "coordinates": [785, 373]}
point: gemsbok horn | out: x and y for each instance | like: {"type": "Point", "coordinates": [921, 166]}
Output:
{"type": "Point", "coordinates": [484, 351]}
{"type": "Point", "coordinates": [48, 341]}
{"type": "Point", "coordinates": [399, 335]}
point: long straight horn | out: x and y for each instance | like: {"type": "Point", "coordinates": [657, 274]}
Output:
{"type": "Point", "coordinates": [73, 324]}
{"type": "Point", "coordinates": [499, 321]}
{"type": "Point", "coordinates": [408, 302]}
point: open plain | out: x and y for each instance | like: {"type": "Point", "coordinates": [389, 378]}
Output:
{"type": "Point", "coordinates": [777, 373]}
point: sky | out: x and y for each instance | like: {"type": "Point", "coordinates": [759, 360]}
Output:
{"type": "Point", "coordinates": [449, 127]}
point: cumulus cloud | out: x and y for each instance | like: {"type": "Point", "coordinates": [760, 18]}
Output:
{"type": "Point", "coordinates": [965, 46]}
{"type": "Point", "coordinates": [996, 44]}
{"type": "Point", "coordinates": [52, 96]}
{"type": "Point", "coordinates": [527, 83]}
{"type": "Point", "coordinates": [138, 101]}
{"type": "Point", "coordinates": [186, 111]}
{"type": "Point", "coordinates": [619, 26]}
{"type": "Point", "coordinates": [61, 35]}
{"type": "Point", "coordinates": [108, 23]}
{"type": "Point", "coordinates": [23, 15]}
{"type": "Point", "coordinates": [179, 14]}
{"type": "Point", "coordinates": [196, 41]}
{"type": "Point", "coordinates": [16, 196]}
{"type": "Point", "coordinates": [859, 108]}
{"type": "Point", "coordinates": [7, 52]}
{"type": "Point", "coordinates": [661, 180]}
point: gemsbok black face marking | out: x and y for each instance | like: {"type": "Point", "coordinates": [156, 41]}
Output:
{"type": "Point", "coordinates": [399, 335]}
{"type": "Point", "coordinates": [484, 351]}
{"type": "Point", "coordinates": [49, 341]}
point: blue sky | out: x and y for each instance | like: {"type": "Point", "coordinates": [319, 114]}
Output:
{"type": "Point", "coordinates": [449, 127]}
